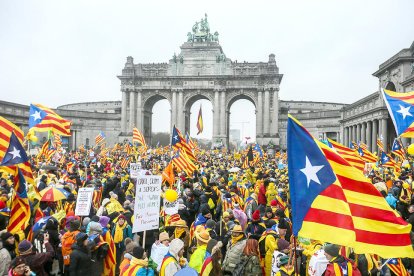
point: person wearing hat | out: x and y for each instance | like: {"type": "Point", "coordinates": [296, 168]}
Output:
{"type": "Point", "coordinates": [138, 264]}
{"type": "Point", "coordinates": [99, 250]}
{"type": "Point", "coordinates": [197, 259]}
{"type": "Point", "coordinates": [211, 228]}
{"type": "Point", "coordinates": [269, 215]}
{"type": "Point", "coordinates": [120, 232]}
{"type": "Point", "coordinates": [160, 248]}
{"type": "Point", "coordinates": [255, 227]}
{"type": "Point", "coordinates": [7, 248]}
{"type": "Point", "coordinates": [67, 240]}
{"type": "Point", "coordinates": [284, 268]}
{"type": "Point", "coordinates": [80, 257]}
{"type": "Point", "coordinates": [102, 211]}
{"type": "Point", "coordinates": [173, 260]}
{"type": "Point", "coordinates": [129, 247]}
{"type": "Point", "coordinates": [338, 265]}
{"type": "Point", "coordinates": [181, 232]}
{"type": "Point", "coordinates": [19, 267]}
{"type": "Point", "coordinates": [267, 245]}
{"type": "Point", "coordinates": [234, 250]}
{"type": "Point", "coordinates": [36, 261]}
{"type": "Point", "coordinates": [212, 263]}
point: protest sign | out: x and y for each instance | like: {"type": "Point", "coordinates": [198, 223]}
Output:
{"type": "Point", "coordinates": [171, 208]}
{"type": "Point", "coordinates": [84, 201]}
{"type": "Point", "coordinates": [147, 203]}
{"type": "Point", "coordinates": [134, 170]}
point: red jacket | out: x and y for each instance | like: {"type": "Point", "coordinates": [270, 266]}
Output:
{"type": "Point", "coordinates": [261, 198]}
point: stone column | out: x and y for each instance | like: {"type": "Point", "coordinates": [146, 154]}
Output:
{"type": "Point", "coordinates": [384, 133]}
{"type": "Point", "coordinates": [374, 135]}
{"type": "Point", "coordinates": [358, 136]}
{"type": "Point", "coordinates": [216, 115]}
{"type": "Point", "coordinates": [132, 110]}
{"type": "Point", "coordinates": [369, 135]}
{"type": "Point", "coordinates": [266, 111]}
{"type": "Point", "coordinates": [223, 115]}
{"type": "Point", "coordinates": [259, 116]}
{"type": "Point", "coordinates": [180, 111]}
{"type": "Point", "coordinates": [363, 132]}
{"type": "Point", "coordinates": [345, 139]}
{"type": "Point", "coordinates": [173, 108]}
{"type": "Point", "coordinates": [124, 112]}
{"type": "Point", "coordinates": [140, 116]}
{"type": "Point", "coordinates": [275, 116]}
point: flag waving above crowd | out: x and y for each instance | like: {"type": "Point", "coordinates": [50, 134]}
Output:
{"type": "Point", "coordinates": [42, 118]}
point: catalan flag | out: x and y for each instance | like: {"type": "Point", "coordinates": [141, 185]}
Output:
{"type": "Point", "coordinates": [100, 138]}
{"type": "Point", "coordinates": [334, 202]}
{"type": "Point", "coordinates": [380, 144]}
{"type": "Point", "coordinates": [400, 107]}
{"type": "Point", "coordinates": [397, 149]}
{"type": "Point", "coordinates": [57, 141]}
{"type": "Point", "coordinates": [397, 267]}
{"type": "Point", "coordinates": [42, 118]}
{"type": "Point", "coordinates": [128, 148]}
{"type": "Point", "coordinates": [200, 125]}
{"type": "Point", "coordinates": [15, 153]}
{"type": "Point", "coordinates": [366, 155]}
{"type": "Point", "coordinates": [124, 162]}
{"type": "Point", "coordinates": [6, 129]}
{"type": "Point", "coordinates": [178, 142]}
{"type": "Point", "coordinates": [110, 259]}
{"type": "Point", "coordinates": [168, 174]}
{"type": "Point", "coordinates": [388, 162]}
{"type": "Point", "coordinates": [20, 209]}
{"type": "Point", "coordinates": [348, 154]}
{"type": "Point", "coordinates": [25, 169]}
{"type": "Point", "coordinates": [137, 137]}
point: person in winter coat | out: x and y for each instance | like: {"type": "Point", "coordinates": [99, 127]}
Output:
{"type": "Point", "coordinates": [160, 248]}
{"type": "Point", "coordinates": [251, 258]}
{"type": "Point", "coordinates": [234, 250]}
{"type": "Point", "coordinates": [120, 232]}
{"type": "Point", "coordinates": [99, 250]}
{"type": "Point", "coordinates": [7, 248]}
{"type": "Point", "coordinates": [19, 268]}
{"type": "Point", "coordinates": [102, 209]}
{"type": "Point", "coordinates": [173, 260]}
{"type": "Point", "coordinates": [138, 265]}
{"type": "Point", "coordinates": [212, 264]}
{"type": "Point", "coordinates": [338, 263]}
{"type": "Point", "coordinates": [211, 228]}
{"type": "Point", "coordinates": [80, 258]}
{"type": "Point", "coordinates": [269, 238]}
{"type": "Point", "coordinates": [36, 261]}
{"type": "Point", "coordinates": [197, 259]}
{"type": "Point", "coordinates": [255, 227]}
{"type": "Point", "coordinates": [285, 269]}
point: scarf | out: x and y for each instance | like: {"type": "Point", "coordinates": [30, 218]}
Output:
{"type": "Point", "coordinates": [178, 232]}
{"type": "Point", "coordinates": [234, 240]}
{"type": "Point", "coordinates": [140, 262]}
{"type": "Point", "coordinates": [119, 233]}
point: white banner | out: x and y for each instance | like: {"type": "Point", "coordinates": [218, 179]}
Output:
{"type": "Point", "coordinates": [135, 170]}
{"type": "Point", "coordinates": [147, 203]}
{"type": "Point", "coordinates": [170, 208]}
{"type": "Point", "coordinates": [84, 202]}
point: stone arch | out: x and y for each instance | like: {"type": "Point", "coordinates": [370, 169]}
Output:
{"type": "Point", "coordinates": [390, 86]}
{"type": "Point", "coordinates": [189, 100]}
{"type": "Point", "coordinates": [149, 100]}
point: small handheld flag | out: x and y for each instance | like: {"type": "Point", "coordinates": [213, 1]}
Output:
{"type": "Point", "coordinates": [200, 125]}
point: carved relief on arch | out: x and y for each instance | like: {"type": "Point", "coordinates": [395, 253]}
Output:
{"type": "Point", "coordinates": [233, 96]}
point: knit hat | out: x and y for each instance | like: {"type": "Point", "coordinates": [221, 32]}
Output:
{"type": "Point", "coordinates": [205, 211]}
{"type": "Point", "coordinates": [138, 252]}
{"type": "Point", "coordinates": [282, 244]}
{"type": "Point", "coordinates": [226, 214]}
{"type": "Point", "coordinates": [5, 236]}
{"type": "Point", "coordinates": [203, 236]}
{"type": "Point", "coordinates": [237, 229]}
{"type": "Point", "coordinates": [16, 262]}
{"type": "Point", "coordinates": [273, 203]}
{"type": "Point", "coordinates": [129, 245]}
{"type": "Point", "coordinates": [25, 247]}
{"type": "Point", "coordinates": [282, 224]}
{"type": "Point", "coordinates": [95, 228]}
{"type": "Point", "coordinates": [95, 218]}
{"type": "Point", "coordinates": [210, 224]}
{"type": "Point", "coordinates": [74, 225]}
{"type": "Point", "coordinates": [332, 249]}
{"type": "Point", "coordinates": [256, 215]}
{"type": "Point", "coordinates": [121, 216]}
{"type": "Point", "coordinates": [103, 221]}
{"type": "Point", "coordinates": [86, 221]}
{"type": "Point", "coordinates": [280, 213]}
{"type": "Point", "coordinates": [164, 236]}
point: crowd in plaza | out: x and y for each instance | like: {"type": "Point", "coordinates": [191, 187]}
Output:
{"type": "Point", "coordinates": [232, 219]}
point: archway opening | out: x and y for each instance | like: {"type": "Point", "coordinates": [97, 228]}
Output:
{"type": "Point", "coordinates": [390, 86]}
{"type": "Point", "coordinates": [203, 138]}
{"type": "Point", "coordinates": [242, 123]}
{"type": "Point", "coordinates": [157, 121]}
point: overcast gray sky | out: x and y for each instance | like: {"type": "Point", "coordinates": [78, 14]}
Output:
{"type": "Point", "coordinates": [59, 52]}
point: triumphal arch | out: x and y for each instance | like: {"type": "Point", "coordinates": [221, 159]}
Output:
{"type": "Point", "coordinates": [201, 71]}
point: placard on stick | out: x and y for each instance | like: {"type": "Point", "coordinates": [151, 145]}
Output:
{"type": "Point", "coordinates": [84, 202]}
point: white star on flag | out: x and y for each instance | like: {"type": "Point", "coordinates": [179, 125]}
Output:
{"type": "Point", "coordinates": [36, 116]}
{"type": "Point", "coordinates": [175, 137]}
{"type": "Point", "coordinates": [311, 171]}
{"type": "Point", "coordinates": [405, 111]}
{"type": "Point", "coordinates": [15, 153]}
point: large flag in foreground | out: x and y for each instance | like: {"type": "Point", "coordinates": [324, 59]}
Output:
{"type": "Point", "coordinates": [42, 118]}
{"type": "Point", "coordinates": [6, 129]}
{"type": "Point", "coordinates": [334, 202]}
{"type": "Point", "coordinates": [20, 210]}
{"type": "Point", "coordinates": [401, 109]}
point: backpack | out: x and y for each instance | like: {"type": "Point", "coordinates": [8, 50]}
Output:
{"type": "Point", "coordinates": [262, 242]}
{"type": "Point", "coordinates": [68, 239]}
{"type": "Point", "coordinates": [241, 266]}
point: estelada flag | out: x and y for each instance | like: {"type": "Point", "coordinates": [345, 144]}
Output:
{"type": "Point", "coordinates": [401, 109]}
{"type": "Point", "coordinates": [200, 125]}
{"type": "Point", "coordinates": [334, 202]}
{"type": "Point", "coordinates": [42, 118]}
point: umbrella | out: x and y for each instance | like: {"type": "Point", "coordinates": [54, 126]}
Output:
{"type": "Point", "coordinates": [52, 194]}
{"type": "Point", "coordinates": [186, 271]}
{"type": "Point", "coordinates": [234, 169]}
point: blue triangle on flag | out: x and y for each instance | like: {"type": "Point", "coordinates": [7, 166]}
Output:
{"type": "Point", "coordinates": [15, 153]}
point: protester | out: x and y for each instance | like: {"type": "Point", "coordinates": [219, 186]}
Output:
{"type": "Point", "coordinates": [234, 250]}
{"type": "Point", "coordinates": [160, 248]}
{"type": "Point", "coordinates": [173, 260]}
{"type": "Point", "coordinates": [120, 232]}
{"type": "Point", "coordinates": [19, 268]}
{"type": "Point", "coordinates": [80, 257]}
{"type": "Point", "coordinates": [138, 264]}
{"type": "Point", "coordinates": [36, 261]}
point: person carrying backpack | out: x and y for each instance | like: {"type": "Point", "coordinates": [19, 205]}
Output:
{"type": "Point", "coordinates": [339, 265]}
{"type": "Point", "coordinates": [267, 245]}
{"type": "Point", "coordinates": [69, 239]}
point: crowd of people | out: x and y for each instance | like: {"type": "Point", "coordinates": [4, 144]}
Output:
{"type": "Point", "coordinates": [232, 219]}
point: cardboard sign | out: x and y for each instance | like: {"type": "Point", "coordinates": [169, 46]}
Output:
{"type": "Point", "coordinates": [147, 203]}
{"type": "Point", "coordinates": [84, 202]}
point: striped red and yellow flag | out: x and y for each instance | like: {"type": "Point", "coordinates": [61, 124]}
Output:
{"type": "Point", "coordinates": [43, 119]}
{"type": "Point", "coordinates": [57, 141]}
{"type": "Point", "coordinates": [348, 154]}
{"type": "Point", "coordinates": [137, 137]}
{"type": "Point", "coordinates": [334, 202]}
{"type": "Point", "coordinates": [124, 162]}
{"type": "Point", "coordinates": [25, 169]}
{"type": "Point", "coordinates": [20, 209]}
{"type": "Point", "coordinates": [110, 259]}
{"type": "Point", "coordinates": [380, 144]}
{"type": "Point", "coordinates": [366, 155]}
{"type": "Point", "coordinates": [6, 128]}
{"type": "Point", "coordinates": [397, 267]}
{"type": "Point", "coordinates": [200, 125]}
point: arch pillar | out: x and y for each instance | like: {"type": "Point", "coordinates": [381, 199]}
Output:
{"type": "Point", "coordinates": [216, 115]}
{"type": "Point", "coordinates": [223, 116]}
{"type": "Point", "coordinates": [259, 117]}
{"type": "Point", "coordinates": [139, 118]}
{"type": "Point", "coordinates": [132, 110]}
{"type": "Point", "coordinates": [124, 111]}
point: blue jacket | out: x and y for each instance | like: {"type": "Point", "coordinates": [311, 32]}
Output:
{"type": "Point", "coordinates": [392, 201]}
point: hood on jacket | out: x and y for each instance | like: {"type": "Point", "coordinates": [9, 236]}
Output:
{"type": "Point", "coordinates": [175, 246]}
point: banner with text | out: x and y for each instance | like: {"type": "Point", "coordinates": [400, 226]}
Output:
{"type": "Point", "coordinates": [147, 203]}
{"type": "Point", "coordinates": [84, 202]}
